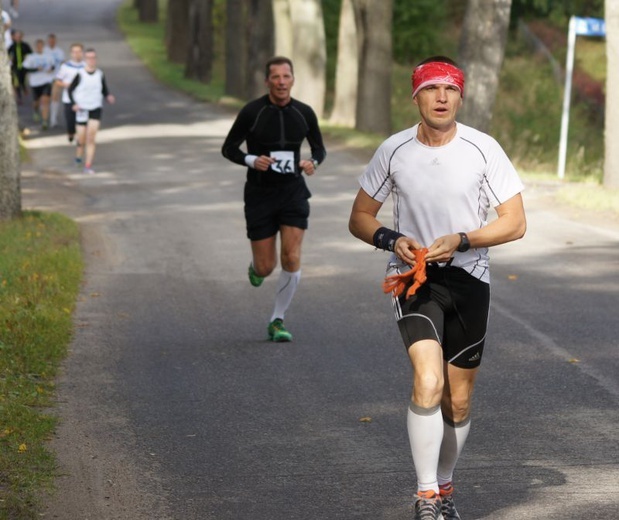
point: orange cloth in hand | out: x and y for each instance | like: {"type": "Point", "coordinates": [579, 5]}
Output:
{"type": "Point", "coordinates": [397, 283]}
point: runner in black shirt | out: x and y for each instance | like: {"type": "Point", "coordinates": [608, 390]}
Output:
{"type": "Point", "coordinates": [276, 196]}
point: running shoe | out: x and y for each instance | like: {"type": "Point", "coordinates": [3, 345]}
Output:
{"type": "Point", "coordinates": [254, 279]}
{"type": "Point", "coordinates": [448, 508]}
{"type": "Point", "coordinates": [428, 506]}
{"type": "Point", "coordinates": [78, 161]}
{"type": "Point", "coordinates": [277, 331]}
{"type": "Point", "coordinates": [89, 171]}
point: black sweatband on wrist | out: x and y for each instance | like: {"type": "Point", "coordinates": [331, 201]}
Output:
{"type": "Point", "coordinates": [385, 238]}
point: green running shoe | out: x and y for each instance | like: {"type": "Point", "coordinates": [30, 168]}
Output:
{"type": "Point", "coordinates": [254, 279]}
{"type": "Point", "coordinates": [277, 331]}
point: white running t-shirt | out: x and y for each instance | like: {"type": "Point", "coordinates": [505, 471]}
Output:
{"type": "Point", "coordinates": [442, 190]}
{"type": "Point", "coordinates": [67, 72]}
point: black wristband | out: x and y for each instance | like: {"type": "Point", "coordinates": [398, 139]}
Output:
{"type": "Point", "coordinates": [385, 238]}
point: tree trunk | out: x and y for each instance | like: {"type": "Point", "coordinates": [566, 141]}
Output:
{"type": "Point", "coordinates": [177, 30]}
{"type": "Point", "coordinates": [284, 34]}
{"type": "Point", "coordinates": [10, 191]}
{"type": "Point", "coordinates": [309, 53]}
{"type": "Point", "coordinates": [261, 45]}
{"type": "Point", "coordinates": [347, 70]}
{"type": "Point", "coordinates": [611, 157]}
{"type": "Point", "coordinates": [481, 52]}
{"type": "Point", "coordinates": [149, 11]}
{"type": "Point", "coordinates": [373, 113]}
{"type": "Point", "coordinates": [236, 48]}
{"type": "Point", "coordinates": [200, 56]}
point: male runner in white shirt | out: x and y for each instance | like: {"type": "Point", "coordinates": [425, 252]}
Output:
{"type": "Point", "coordinates": [87, 92]}
{"type": "Point", "coordinates": [40, 67]}
{"type": "Point", "coordinates": [443, 177]}
{"type": "Point", "coordinates": [58, 54]}
{"type": "Point", "coordinates": [64, 77]}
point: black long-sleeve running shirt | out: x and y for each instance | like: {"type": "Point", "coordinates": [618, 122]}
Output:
{"type": "Point", "coordinates": [275, 131]}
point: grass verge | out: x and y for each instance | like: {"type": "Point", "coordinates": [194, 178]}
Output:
{"type": "Point", "coordinates": [40, 273]}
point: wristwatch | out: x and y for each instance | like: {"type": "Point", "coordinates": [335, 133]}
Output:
{"type": "Point", "coordinates": [465, 245]}
{"type": "Point", "coordinates": [315, 163]}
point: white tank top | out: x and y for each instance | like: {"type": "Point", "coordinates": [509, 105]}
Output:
{"type": "Point", "coordinates": [88, 94]}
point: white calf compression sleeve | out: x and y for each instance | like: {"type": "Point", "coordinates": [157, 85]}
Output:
{"type": "Point", "coordinates": [425, 432]}
{"type": "Point", "coordinates": [453, 441]}
{"type": "Point", "coordinates": [53, 113]}
{"type": "Point", "coordinates": [286, 287]}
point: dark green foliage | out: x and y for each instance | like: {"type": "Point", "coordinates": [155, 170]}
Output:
{"type": "Point", "coordinates": [559, 11]}
{"type": "Point", "coordinates": [418, 30]}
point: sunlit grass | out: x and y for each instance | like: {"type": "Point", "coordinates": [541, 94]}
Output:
{"type": "Point", "coordinates": [590, 196]}
{"type": "Point", "coordinates": [590, 56]}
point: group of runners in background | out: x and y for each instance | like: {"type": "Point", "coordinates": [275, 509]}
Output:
{"type": "Point", "coordinates": [51, 80]}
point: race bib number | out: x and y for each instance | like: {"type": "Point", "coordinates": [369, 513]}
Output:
{"type": "Point", "coordinates": [81, 116]}
{"type": "Point", "coordinates": [284, 162]}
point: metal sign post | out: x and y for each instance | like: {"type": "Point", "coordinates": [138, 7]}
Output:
{"type": "Point", "coordinates": [582, 27]}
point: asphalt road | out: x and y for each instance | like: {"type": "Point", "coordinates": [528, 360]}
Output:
{"type": "Point", "coordinates": [174, 406]}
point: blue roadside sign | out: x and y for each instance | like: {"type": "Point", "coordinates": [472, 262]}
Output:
{"type": "Point", "coordinates": [590, 26]}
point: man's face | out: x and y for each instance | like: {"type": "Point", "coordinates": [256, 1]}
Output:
{"type": "Point", "coordinates": [77, 54]}
{"type": "Point", "coordinates": [438, 105]}
{"type": "Point", "coordinates": [279, 83]}
{"type": "Point", "coordinates": [39, 46]}
{"type": "Point", "coordinates": [51, 41]}
{"type": "Point", "coordinates": [91, 60]}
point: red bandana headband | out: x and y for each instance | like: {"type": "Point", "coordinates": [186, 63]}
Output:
{"type": "Point", "coordinates": [435, 73]}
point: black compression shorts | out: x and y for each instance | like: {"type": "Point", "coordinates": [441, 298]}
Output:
{"type": "Point", "coordinates": [452, 308]}
{"type": "Point", "coordinates": [269, 206]}
{"type": "Point", "coordinates": [42, 90]}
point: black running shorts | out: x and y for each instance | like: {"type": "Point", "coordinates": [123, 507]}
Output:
{"type": "Point", "coordinates": [451, 308]}
{"type": "Point", "coordinates": [269, 206]}
{"type": "Point", "coordinates": [41, 90]}
{"type": "Point", "coordinates": [83, 116]}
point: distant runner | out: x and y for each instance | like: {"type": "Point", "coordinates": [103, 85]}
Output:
{"type": "Point", "coordinates": [87, 92]}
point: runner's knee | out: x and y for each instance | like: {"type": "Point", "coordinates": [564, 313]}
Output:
{"type": "Point", "coordinates": [427, 389]}
{"type": "Point", "coordinates": [291, 261]}
{"type": "Point", "coordinates": [264, 266]}
{"type": "Point", "coordinates": [456, 408]}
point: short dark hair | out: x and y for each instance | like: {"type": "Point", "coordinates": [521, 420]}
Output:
{"type": "Point", "coordinates": [278, 60]}
{"type": "Point", "coordinates": [440, 59]}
